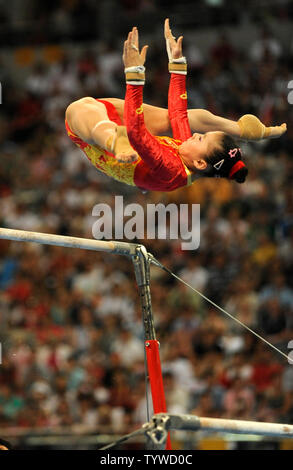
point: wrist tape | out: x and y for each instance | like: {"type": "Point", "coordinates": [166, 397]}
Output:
{"type": "Point", "coordinates": [178, 66]}
{"type": "Point", "coordinates": [135, 75]}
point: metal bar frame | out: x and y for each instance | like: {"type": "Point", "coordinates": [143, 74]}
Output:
{"type": "Point", "coordinates": [161, 423]}
{"type": "Point", "coordinates": [141, 260]}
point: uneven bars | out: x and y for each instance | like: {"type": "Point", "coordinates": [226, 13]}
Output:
{"type": "Point", "coordinates": [121, 248]}
{"type": "Point", "coordinates": [246, 427]}
{"type": "Point", "coordinates": [141, 261]}
{"type": "Point", "coordinates": [196, 423]}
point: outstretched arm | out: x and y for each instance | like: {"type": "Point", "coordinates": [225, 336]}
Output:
{"type": "Point", "coordinates": [177, 96]}
{"type": "Point", "coordinates": [147, 146]}
{"type": "Point", "coordinates": [248, 127]}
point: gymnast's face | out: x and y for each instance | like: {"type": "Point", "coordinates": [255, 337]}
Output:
{"type": "Point", "coordinates": [195, 149]}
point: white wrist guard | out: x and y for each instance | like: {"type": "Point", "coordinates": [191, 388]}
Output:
{"type": "Point", "coordinates": [135, 75]}
{"type": "Point", "coordinates": [178, 66]}
{"type": "Point", "coordinates": [181, 60]}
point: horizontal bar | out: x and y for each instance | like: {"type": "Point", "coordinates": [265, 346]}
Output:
{"type": "Point", "coordinates": [69, 242]}
{"type": "Point", "coordinates": [196, 423]}
{"type": "Point", "coordinates": [246, 427]}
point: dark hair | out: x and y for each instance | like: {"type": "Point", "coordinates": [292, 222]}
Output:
{"type": "Point", "coordinates": [226, 161]}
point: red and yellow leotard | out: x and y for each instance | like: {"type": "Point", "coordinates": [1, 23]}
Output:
{"type": "Point", "coordinates": [159, 166]}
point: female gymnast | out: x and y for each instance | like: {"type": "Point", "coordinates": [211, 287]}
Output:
{"type": "Point", "coordinates": [121, 138]}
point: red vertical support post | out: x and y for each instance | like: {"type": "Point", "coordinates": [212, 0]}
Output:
{"type": "Point", "coordinates": [153, 364]}
{"type": "Point", "coordinates": [156, 380]}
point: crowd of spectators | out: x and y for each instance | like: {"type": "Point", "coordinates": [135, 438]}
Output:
{"type": "Point", "coordinates": [71, 329]}
{"type": "Point", "coordinates": [31, 21]}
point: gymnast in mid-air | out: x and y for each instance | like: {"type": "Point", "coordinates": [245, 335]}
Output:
{"type": "Point", "coordinates": [125, 138]}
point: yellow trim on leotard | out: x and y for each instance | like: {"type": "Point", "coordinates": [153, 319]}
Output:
{"type": "Point", "coordinates": [123, 172]}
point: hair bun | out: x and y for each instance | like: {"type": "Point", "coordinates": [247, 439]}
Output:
{"type": "Point", "coordinates": [240, 175]}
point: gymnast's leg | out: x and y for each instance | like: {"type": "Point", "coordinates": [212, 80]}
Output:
{"type": "Point", "coordinates": [200, 120]}
{"type": "Point", "coordinates": [157, 122]}
{"type": "Point", "coordinates": [156, 119]}
{"type": "Point", "coordinates": [89, 119]}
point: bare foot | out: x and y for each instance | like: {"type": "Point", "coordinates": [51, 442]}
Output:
{"type": "Point", "coordinates": [277, 131]}
{"type": "Point", "coordinates": [123, 151]}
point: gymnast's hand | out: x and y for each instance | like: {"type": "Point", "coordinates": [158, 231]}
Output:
{"type": "Point", "coordinates": [174, 48]}
{"type": "Point", "coordinates": [131, 55]}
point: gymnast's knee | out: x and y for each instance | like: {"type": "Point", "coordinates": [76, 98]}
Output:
{"type": "Point", "coordinates": [78, 104]}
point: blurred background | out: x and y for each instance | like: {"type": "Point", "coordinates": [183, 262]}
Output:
{"type": "Point", "coordinates": [72, 372]}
